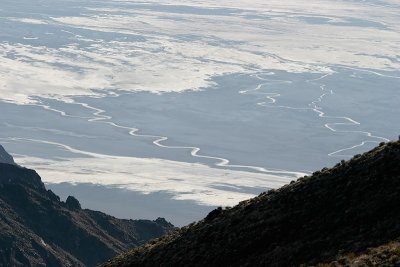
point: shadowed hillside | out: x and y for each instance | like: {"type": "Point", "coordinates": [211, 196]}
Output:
{"type": "Point", "coordinates": [331, 217]}
{"type": "Point", "coordinates": [37, 229]}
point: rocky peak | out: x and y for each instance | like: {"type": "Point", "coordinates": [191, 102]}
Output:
{"type": "Point", "coordinates": [5, 157]}
{"type": "Point", "coordinates": [11, 174]}
{"type": "Point", "coordinates": [73, 203]}
{"type": "Point", "coordinates": [163, 222]}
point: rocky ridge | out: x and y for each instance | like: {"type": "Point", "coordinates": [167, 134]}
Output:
{"type": "Point", "coordinates": [38, 229]}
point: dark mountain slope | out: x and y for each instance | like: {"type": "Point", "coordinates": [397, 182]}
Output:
{"type": "Point", "coordinates": [37, 229]}
{"type": "Point", "coordinates": [336, 211]}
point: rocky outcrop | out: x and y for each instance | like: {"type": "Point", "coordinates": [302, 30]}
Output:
{"type": "Point", "coordinates": [5, 157]}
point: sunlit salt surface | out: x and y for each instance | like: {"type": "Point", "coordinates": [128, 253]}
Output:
{"type": "Point", "coordinates": [211, 102]}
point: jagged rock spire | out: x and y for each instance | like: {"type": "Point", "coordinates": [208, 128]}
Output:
{"type": "Point", "coordinates": [5, 157]}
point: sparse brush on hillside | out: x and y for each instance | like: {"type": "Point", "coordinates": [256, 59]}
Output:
{"type": "Point", "coordinates": [337, 216]}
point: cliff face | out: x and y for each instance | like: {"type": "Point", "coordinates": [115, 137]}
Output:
{"type": "Point", "coordinates": [336, 212]}
{"type": "Point", "coordinates": [37, 229]}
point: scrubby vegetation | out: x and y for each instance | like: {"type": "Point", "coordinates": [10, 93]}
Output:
{"type": "Point", "coordinates": [338, 216]}
{"type": "Point", "coordinates": [384, 256]}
